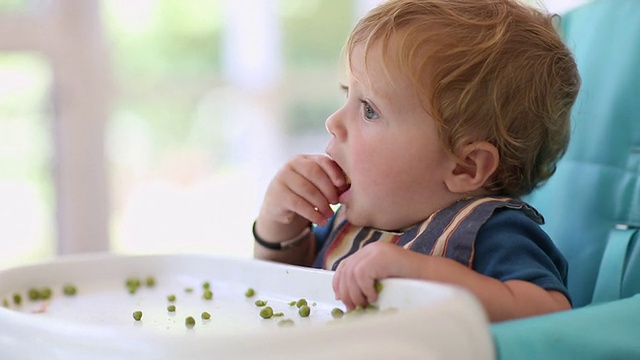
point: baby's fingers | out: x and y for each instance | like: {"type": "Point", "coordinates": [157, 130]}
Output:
{"type": "Point", "coordinates": [335, 173]}
{"type": "Point", "coordinates": [368, 290]}
{"type": "Point", "coordinates": [307, 200]}
{"type": "Point", "coordinates": [342, 293]}
{"type": "Point", "coordinates": [312, 182]}
{"type": "Point", "coordinates": [325, 173]}
{"type": "Point", "coordinates": [347, 289]}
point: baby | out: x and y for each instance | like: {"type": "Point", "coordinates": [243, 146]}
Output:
{"type": "Point", "coordinates": [454, 110]}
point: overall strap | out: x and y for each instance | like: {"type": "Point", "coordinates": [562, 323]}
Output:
{"type": "Point", "coordinates": [451, 232]}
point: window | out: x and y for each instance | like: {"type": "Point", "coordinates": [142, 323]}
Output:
{"type": "Point", "coordinates": [213, 97]}
{"type": "Point", "coordinates": [27, 226]}
{"type": "Point", "coordinates": [156, 125]}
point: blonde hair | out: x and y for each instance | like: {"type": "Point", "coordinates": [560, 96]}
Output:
{"type": "Point", "coordinates": [485, 70]}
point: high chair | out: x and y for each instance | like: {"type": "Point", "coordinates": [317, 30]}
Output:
{"type": "Point", "coordinates": [592, 203]}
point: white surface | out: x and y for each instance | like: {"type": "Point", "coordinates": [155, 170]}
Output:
{"type": "Point", "coordinates": [425, 320]}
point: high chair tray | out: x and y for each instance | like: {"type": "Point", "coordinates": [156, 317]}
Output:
{"type": "Point", "coordinates": [413, 318]}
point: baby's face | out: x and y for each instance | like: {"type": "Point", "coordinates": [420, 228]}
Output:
{"type": "Point", "coordinates": [388, 146]}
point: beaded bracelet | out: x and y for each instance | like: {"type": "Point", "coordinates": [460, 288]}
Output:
{"type": "Point", "coordinates": [284, 245]}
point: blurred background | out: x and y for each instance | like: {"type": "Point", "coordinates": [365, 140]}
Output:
{"type": "Point", "coordinates": [154, 126]}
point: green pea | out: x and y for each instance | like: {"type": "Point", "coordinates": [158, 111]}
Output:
{"type": "Point", "coordinates": [378, 286]}
{"type": "Point", "coordinates": [292, 303]}
{"type": "Point", "coordinates": [206, 285]}
{"type": "Point", "coordinates": [190, 322]}
{"type": "Point", "coordinates": [371, 307]}
{"type": "Point", "coordinates": [151, 281]}
{"type": "Point", "coordinates": [250, 292]}
{"type": "Point", "coordinates": [205, 315]}
{"type": "Point", "coordinates": [17, 299]}
{"type": "Point", "coordinates": [266, 312]}
{"type": "Point", "coordinates": [171, 298]}
{"type": "Point", "coordinates": [304, 311]}
{"type": "Point", "coordinates": [137, 315]}
{"type": "Point", "coordinates": [337, 313]}
{"type": "Point", "coordinates": [208, 295]}
{"type": "Point", "coordinates": [45, 293]}
{"type": "Point", "coordinates": [33, 294]}
{"type": "Point", "coordinates": [133, 282]}
{"type": "Point", "coordinates": [69, 290]}
{"type": "Point", "coordinates": [188, 290]}
{"type": "Point", "coordinates": [171, 308]}
{"type": "Point", "coordinates": [5, 302]}
{"type": "Point", "coordinates": [260, 303]}
{"type": "Point", "coordinates": [358, 310]}
{"type": "Point", "coordinates": [301, 302]}
{"type": "Point", "coordinates": [278, 314]}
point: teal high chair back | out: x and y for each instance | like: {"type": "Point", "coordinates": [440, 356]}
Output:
{"type": "Point", "coordinates": [592, 203]}
{"type": "Point", "coordinates": [597, 184]}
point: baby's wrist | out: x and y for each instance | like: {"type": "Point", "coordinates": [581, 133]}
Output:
{"type": "Point", "coordinates": [285, 244]}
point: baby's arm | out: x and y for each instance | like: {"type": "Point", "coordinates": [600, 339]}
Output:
{"type": "Point", "coordinates": [354, 282]}
{"type": "Point", "coordinates": [300, 193]}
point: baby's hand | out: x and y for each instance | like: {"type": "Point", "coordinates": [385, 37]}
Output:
{"type": "Point", "coordinates": [305, 187]}
{"type": "Point", "coordinates": [355, 277]}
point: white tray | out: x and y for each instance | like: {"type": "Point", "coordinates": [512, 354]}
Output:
{"type": "Point", "coordinates": [416, 319]}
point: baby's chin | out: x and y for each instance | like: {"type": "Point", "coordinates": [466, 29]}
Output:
{"type": "Point", "coordinates": [359, 218]}
{"type": "Point", "coordinates": [372, 220]}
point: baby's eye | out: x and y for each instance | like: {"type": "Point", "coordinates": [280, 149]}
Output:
{"type": "Point", "coordinates": [368, 111]}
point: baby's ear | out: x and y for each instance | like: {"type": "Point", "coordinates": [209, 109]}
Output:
{"type": "Point", "coordinates": [479, 161]}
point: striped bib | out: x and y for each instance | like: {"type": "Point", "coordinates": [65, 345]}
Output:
{"type": "Point", "coordinates": [450, 232]}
